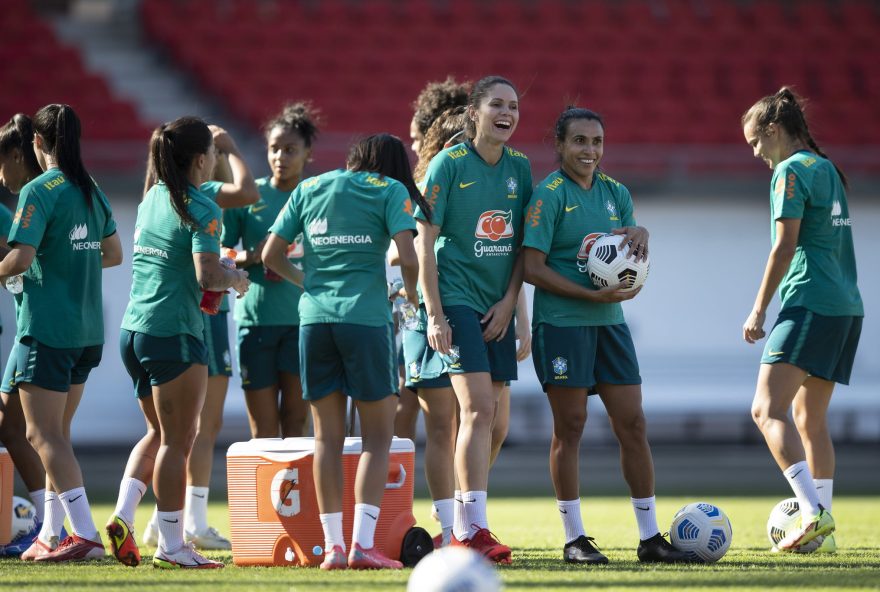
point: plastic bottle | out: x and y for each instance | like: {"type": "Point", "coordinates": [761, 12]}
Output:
{"type": "Point", "coordinates": [211, 300]}
{"type": "Point", "coordinates": [408, 313]}
{"type": "Point", "coordinates": [15, 284]}
{"type": "Point", "coordinates": [271, 275]}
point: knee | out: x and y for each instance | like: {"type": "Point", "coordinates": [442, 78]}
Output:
{"type": "Point", "coordinates": [632, 428]}
{"type": "Point", "coordinates": [10, 430]}
{"type": "Point", "coordinates": [500, 429]}
{"type": "Point", "coordinates": [479, 415]}
{"type": "Point", "coordinates": [807, 423]}
{"type": "Point", "coordinates": [569, 429]}
{"type": "Point", "coordinates": [210, 428]}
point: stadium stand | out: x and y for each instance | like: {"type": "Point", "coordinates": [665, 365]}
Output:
{"type": "Point", "coordinates": [664, 71]}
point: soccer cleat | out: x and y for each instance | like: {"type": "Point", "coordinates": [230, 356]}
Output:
{"type": "Point", "coordinates": [821, 525]}
{"type": "Point", "coordinates": [21, 543]}
{"type": "Point", "coordinates": [39, 548]}
{"type": "Point", "coordinates": [185, 557]}
{"type": "Point", "coordinates": [74, 548]}
{"type": "Point", "coordinates": [827, 544]}
{"type": "Point", "coordinates": [485, 543]}
{"type": "Point", "coordinates": [335, 559]}
{"type": "Point", "coordinates": [122, 542]}
{"type": "Point", "coordinates": [372, 558]}
{"type": "Point", "coordinates": [658, 550]}
{"type": "Point", "coordinates": [150, 537]}
{"type": "Point", "coordinates": [208, 540]}
{"type": "Point", "coordinates": [582, 550]}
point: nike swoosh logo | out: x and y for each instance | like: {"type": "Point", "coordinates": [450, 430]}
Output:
{"type": "Point", "coordinates": [568, 209]}
{"type": "Point", "coordinates": [796, 474]}
{"type": "Point", "coordinates": [643, 509]}
{"type": "Point", "coordinates": [371, 516]}
{"type": "Point", "coordinates": [465, 185]}
{"type": "Point", "coordinates": [563, 511]}
{"type": "Point", "coordinates": [73, 499]}
{"type": "Point", "coordinates": [779, 353]}
{"type": "Point", "coordinates": [170, 521]}
{"type": "Point", "coordinates": [199, 496]}
{"type": "Point", "coordinates": [470, 501]}
{"type": "Point", "coordinates": [258, 208]}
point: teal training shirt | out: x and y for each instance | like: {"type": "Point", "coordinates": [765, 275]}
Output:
{"type": "Point", "coordinates": [563, 221]}
{"type": "Point", "coordinates": [347, 220]}
{"type": "Point", "coordinates": [822, 276]}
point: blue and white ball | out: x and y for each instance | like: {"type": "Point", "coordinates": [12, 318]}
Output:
{"type": "Point", "coordinates": [454, 569]}
{"type": "Point", "coordinates": [702, 530]}
{"type": "Point", "coordinates": [24, 517]}
{"type": "Point", "coordinates": [609, 266]}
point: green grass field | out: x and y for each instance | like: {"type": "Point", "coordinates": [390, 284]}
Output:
{"type": "Point", "coordinates": [532, 528]}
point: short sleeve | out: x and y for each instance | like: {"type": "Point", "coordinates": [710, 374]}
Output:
{"type": "Point", "coordinates": [438, 183]}
{"type": "Point", "coordinates": [541, 220]}
{"type": "Point", "coordinates": [206, 236]}
{"type": "Point", "coordinates": [210, 189]}
{"type": "Point", "coordinates": [790, 192]}
{"type": "Point", "coordinates": [288, 224]}
{"type": "Point", "coordinates": [109, 222]}
{"type": "Point", "coordinates": [29, 224]}
{"type": "Point", "coordinates": [625, 207]}
{"type": "Point", "coordinates": [231, 234]}
{"type": "Point", "coordinates": [398, 210]}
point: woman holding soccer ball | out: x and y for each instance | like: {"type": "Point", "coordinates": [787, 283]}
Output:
{"type": "Point", "coordinates": [813, 343]}
{"type": "Point", "coordinates": [581, 342]}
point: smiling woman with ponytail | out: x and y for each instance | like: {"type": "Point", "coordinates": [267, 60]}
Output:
{"type": "Point", "coordinates": [62, 235]}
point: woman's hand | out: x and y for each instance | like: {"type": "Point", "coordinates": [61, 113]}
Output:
{"type": "Point", "coordinates": [753, 328]}
{"type": "Point", "coordinates": [241, 282]}
{"type": "Point", "coordinates": [613, 294]}
{"type": "Point", "coordinates": [439, 334]}
{"type": "Point", "coordinates": [637, 239]}
{"type": "Point", "coordinates": [497, 319]}
{"type": "Point", "coordinates": [524, 336]}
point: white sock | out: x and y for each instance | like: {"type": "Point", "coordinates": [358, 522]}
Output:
{"type": "Point", "coordinates": [459, 521]}
{"type": "Point", "coordinates": [365, 519]}
{"type": "Point", "coordinates": [646, 516]}
{"type": "Point", "coordinates": [170, 530]}
{"type": "Point", "coordinates": [445, 509]}
{"type": "Point", "coordinates": [54, 517]}
{"type": "Point", "coordinates": [332, 525]}
{"type": "Point", "coordinates": [154, 519]}
{"type": "Point", "coordinates": [474, 503]}
{"type": "Point", "coordinates": [801, 481]}
{"type": "Point", "coordinates": [196, 509]}
{"type": "Point", "coordinates": [570, 512]}
{"type": "Point", "coordinates": [76, 506]}
{"type": "Point", "coordinates": [131, 491]}
{"type": "Point", "coordinates": [38, 497]}
{"type": "Point", "coordinates": [825, 488]}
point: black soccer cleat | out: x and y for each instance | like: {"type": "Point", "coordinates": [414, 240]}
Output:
{"type": "Point", "coordinates": [581, 550]}
{"type": "Point", "coordinates": [658, 550]}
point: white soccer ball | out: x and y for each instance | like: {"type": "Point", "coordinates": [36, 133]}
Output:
{"type": "Point", "coordinates": [784, 517]}
{"type": "Point", "coordinates": [24, 517]}
{"type": "Point", "coordinates": [701, 530]}
{"type": "Point", "coordinates": [454, 569]}
{"type": "Point", "coordinates": [608, 266]}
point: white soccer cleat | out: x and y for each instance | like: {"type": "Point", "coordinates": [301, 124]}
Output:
{"type": "Point", "coordinates": [208, 540]}
{"type": "Point", "coordinates": [151, 535]}
{"type": "Point", "coordinates": [184, 558]}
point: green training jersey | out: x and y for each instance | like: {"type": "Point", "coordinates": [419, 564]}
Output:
{"type": "Point", "coordinates": [347, 220]}
{"type": "Point", "coordinates": [5, 225]}
{"type": "Point", "coordinates": [267, 302]}
{"type": "Point", "coordinates": [165, 294]}
{"type": "Point", "coordinates": [563, 221]}
{"type": "Point", "coordinates": [61, 304]}
{"type": "Point", "coordinates": [822, 275]}
{"type": "Point", "coordinates": [479, 209]}
{"type": "Point", "coordinates": [210, 189]}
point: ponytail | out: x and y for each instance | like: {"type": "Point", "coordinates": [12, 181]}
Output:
{"type": "Point", "coordinates": [173, 147]}
{"type": "Point", "coordinates": [786, 110]}
{"type": "Point", "coordinates": [60, 129]}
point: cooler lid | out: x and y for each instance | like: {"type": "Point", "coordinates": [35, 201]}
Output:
{"type": "Point", "coordinates": [297, 447]}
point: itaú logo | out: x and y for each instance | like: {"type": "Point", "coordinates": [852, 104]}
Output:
{"type": "Point", "coordinates": [495, 225]}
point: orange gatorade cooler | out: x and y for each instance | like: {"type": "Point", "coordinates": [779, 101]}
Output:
{"type": "Point", "coordinates": [273, 506]}
{"type": "Point", "coordinates": [6, 477]}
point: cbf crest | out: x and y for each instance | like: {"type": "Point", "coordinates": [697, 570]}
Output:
{"type": "Point", "coordinates": [560, 366]}
{"type": "Point", "coordinates": [612, 209]}
{"type": "Point", "coordinates": [511, 187]}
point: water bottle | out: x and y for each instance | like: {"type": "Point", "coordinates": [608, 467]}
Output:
{"type": "Point", "coordinates": [211, 300]}
{"type": "Point", "coordinates": [407, 312]}
{"type": "Point", "coordinates": [271, 275]}
{"type": "Point", "coordinates": [15, 284]}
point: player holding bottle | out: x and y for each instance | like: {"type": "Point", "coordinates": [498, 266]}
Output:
{"type": "Point", "coordinates": [813, 343]}
{"type": "Point", "coordinates": [582, 344]}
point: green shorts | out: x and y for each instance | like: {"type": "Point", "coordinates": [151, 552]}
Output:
{"type": "Point", "coordinates": [263, 352]}
{"type": "Point", "coordinates": [582, 357]}
{"type": "Point", "coordinates": [216, 338]}
{"type": "Point", "coordinates": [823, 346]}
{"type": "Point", "coordinates": [51, 368]}
{"type": "Point", "coordinates": [153, 361]}
{"type": "Point", "coordinates": [355, 359]}
{"type": "Point", "coordinates": [425, 367]}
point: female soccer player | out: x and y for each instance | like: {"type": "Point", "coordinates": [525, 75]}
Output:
{"type": "Point", "coordinates": [470, 277]}
{"type": "Point", "coordinates": [62, 236]}
{"type": "Point", "coordinates": [232, 186]}
{"type": "Point", "coordinates": [267, 317]}
{"type": "Point", "coordinates": [18, 165]}
{"type": "Point", "coordinates": [176, 252]}
{"type": "Point", "coordinates": [813, 343]}
{"type": "Point", "coordinates": [348, 218]}
{"type": "Point", "coordinates": [581, 343]}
